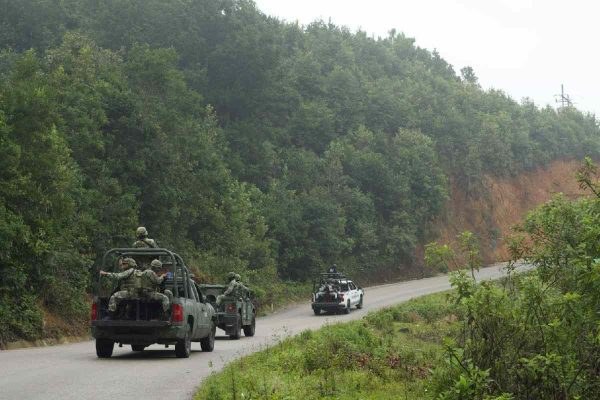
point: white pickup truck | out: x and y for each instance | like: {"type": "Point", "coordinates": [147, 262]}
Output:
{"type": "Point", "coordinates": [334, 292]}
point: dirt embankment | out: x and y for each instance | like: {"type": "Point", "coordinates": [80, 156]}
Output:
{"type": "Point", "coordinates": [503, 203]}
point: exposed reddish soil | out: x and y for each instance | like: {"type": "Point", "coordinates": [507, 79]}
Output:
{"type": "Point", "coordinates": [502, 204]}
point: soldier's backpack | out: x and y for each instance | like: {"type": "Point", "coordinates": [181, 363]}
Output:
{"type": "Point", "coordinates": [133, 282]}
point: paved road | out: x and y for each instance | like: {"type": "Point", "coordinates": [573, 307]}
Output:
{"type": "Point", "coordinates": [72, 371]}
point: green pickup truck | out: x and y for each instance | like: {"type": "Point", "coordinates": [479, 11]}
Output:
{"type": "Point", "coordinates": [234, 313]}
{"type": "Point", "coordinates": [141, 322]}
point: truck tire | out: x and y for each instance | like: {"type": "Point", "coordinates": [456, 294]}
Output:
{"type": "Point", "coordinates": [183, 347]}
{"type": "Point", "coordinates": [360, 303]}
{"type": "Point", "coordinates": [347, 309]}
{"type": "Point", "coordinates": [250, 329]}
{"type": "Point", "coordinates": [238, 329]}
{"type": "Point", "coordinates": [317, 311]}
{"type": "Point", "coordinates": [104, 348]}
{"type": "Point", "coordinates": [208, 343]}
{"type": "Point", "coordinates": [138, 347]}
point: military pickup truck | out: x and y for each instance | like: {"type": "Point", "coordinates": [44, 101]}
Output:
{"type": "Point", "coordinates": [141, 322]}
{"type": "Point", "coordinates": [234, 314]}
{"type": "Point", "coordinates": [334, 292]}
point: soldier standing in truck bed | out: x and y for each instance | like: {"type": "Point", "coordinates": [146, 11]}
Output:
{"type": "Point", "coordinates": [231, 286]}
{"type": "Point", "coordinates": [241, 290]}
{"type": "Point", "coordinates": [143, 240]}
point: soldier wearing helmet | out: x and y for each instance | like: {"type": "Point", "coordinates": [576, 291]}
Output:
{"type": "Point", "coordinates": [127, 281]}
{"type": "Point", "coordinates": [151, 284]}
{"type": "Point", "coordinates": [241, 290]}
{"type": "Point", "coordinates": [156, 265]}
{"type": "Point", "coordinates": [136, 284]}
{"type": "Point", "coordinates": [143, 240]}
{"type": "Point", "coordinates": [231, 287]}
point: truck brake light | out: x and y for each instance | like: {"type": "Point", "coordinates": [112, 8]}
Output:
{"type": "Point", "coordinates": [177, 313]}
{"type": "Point", "coordinates": [94, 313]}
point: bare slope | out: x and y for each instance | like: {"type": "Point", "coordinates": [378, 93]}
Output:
{"type": "Point", "coordinates": [502, 204]}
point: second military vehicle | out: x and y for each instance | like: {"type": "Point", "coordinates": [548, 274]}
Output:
{"type": "Point", "coordinates": [234, 313]}
{"type": "Point", "coordinates": [140, 321]}
{"type": "Point", "coordinates": [334, 292]}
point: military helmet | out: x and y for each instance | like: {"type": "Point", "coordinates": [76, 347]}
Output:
{"type": "Point", "coordinates": [231, 276]}
{"type": "Point", "coordinates": [141, 232]}
{"type": "Point", "coordinates": [155, 264]}
{"type": "Point", "coordinates": [238, 277]}
{"type": "Point", "coordinates": [130, 261]}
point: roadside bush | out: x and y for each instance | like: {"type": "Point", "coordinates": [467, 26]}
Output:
{"type": "Point", "coordinates": [536, 336]}
{"type": "Point", "coordinates": [20, 320]}
{"type": "Point", "coordinates": [425, 309]}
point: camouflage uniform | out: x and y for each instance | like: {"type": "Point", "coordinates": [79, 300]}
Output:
{"type": "Point", "coordinates": [127, 278]}
{"type": "Point", "coordinates": [137, 284]}
{"type": "Point", "coordinates": [240, 290]}
{"type": "Point", "coordinates": [231, 288]}
{"type": "Point", "coordinates": [150, 283]}
{"type": "Point", "coordinates": [143, 241]}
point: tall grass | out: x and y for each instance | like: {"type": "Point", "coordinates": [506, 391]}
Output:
{"type": "Point", "coordinates": [386, 355]}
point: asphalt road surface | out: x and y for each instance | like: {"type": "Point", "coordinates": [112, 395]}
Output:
{"type": "Point", "coordinates": [72, 371]}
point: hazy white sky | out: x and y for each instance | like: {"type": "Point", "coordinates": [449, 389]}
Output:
{"type": "Point", "coordinates": [526, 48]}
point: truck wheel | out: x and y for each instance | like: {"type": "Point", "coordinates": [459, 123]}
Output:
{"type": "Point", "coordinates": [183, 347]}
{"type": "Point", "coordinates": [238, 329]}
{"type": "Point", "coordinates": [250, 329]}
{"type": "Point", "coordinates": [347, 309]}
{"type": "Point", "coordinates": [360, 303]}
{"type": "Point", "coordinates": [104, 348]}
{"type": "Point", "coordinates": [317, 311]}
{"type": "Point", "coordinates": [138, 347]}
{"type": "Point", "coordinates": [208, 343]}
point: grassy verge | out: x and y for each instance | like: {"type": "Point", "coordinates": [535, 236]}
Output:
{"type": "Point", "coordinates": [387, 355]}
{"type": "Point", "coordinates": [281, 295]}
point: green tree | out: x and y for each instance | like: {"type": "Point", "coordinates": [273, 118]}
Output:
{"type": "Point", "coordinates": [37, 206]}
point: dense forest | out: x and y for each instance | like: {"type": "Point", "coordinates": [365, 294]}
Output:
{"type": "Point", "coordinates": [243, 142]}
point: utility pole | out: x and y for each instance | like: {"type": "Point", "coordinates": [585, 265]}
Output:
{"type": "Point", "coordinates": [564, 99]}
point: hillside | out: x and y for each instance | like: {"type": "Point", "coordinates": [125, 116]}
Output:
{"type": "Point", "coordinates": [244, 142]}
{"type": "Point", "coordinates": [503, 203]}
